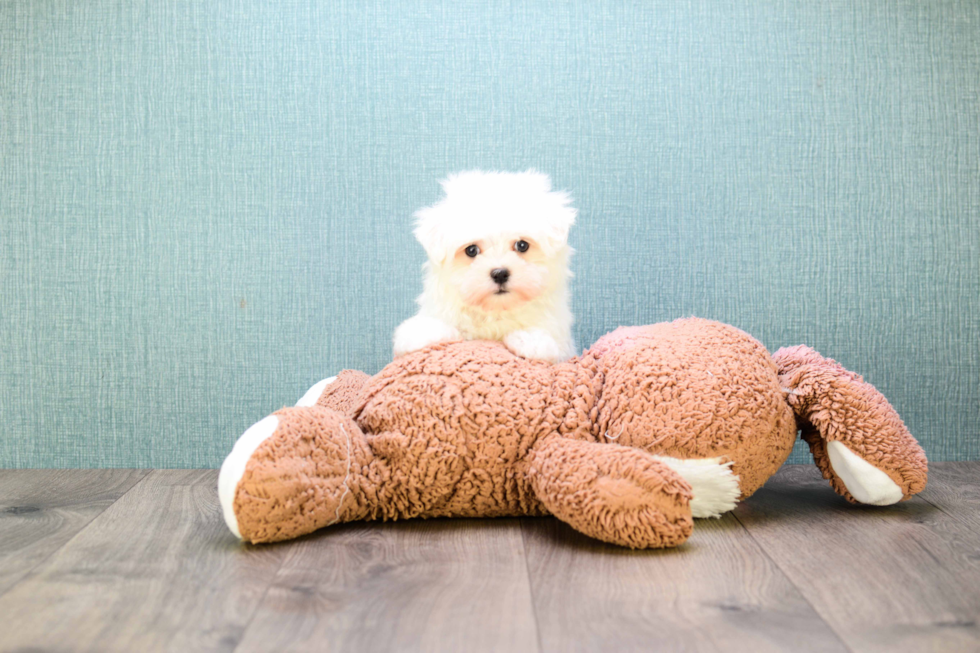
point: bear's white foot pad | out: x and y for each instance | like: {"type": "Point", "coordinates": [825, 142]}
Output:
{"type": "Point", "coordinates": [716, 488]}
{"type": "Point", "coordinates": [233, 468]}
{"type": "Point", "coordinates": [864, 481]}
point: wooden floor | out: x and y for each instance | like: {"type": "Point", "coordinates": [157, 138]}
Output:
{"type": "Point", "coordinates": [122, 560]}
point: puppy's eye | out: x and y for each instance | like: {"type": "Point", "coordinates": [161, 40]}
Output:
{"type": "Point", "coordinates": [522, 246]}
{"type": "Point", "coordinates": [472, 251]}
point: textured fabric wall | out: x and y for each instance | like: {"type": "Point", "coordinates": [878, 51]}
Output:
{"type": "Point", "coordinates": [206, 205]}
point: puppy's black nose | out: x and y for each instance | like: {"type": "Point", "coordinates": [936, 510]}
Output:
{"type": "Point", "coordinates": [500, 275]}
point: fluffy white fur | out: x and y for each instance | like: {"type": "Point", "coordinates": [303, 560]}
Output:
{"type": "Point", "coordinates": [495, 211]}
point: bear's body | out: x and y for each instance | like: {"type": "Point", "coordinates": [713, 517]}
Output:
{"type": "Point", "coordinates": [611, 442]}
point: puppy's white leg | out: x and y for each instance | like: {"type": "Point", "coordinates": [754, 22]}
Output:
{"type": "Point", "coordinates": [536, 344]}
{"type": "Point", "coordinates": [421, 331]}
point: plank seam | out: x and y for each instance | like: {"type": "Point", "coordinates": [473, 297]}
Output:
{"type": "Point", "coordinates": [789, 579]}
{"type": "Point", "coordinates": [530, 587]}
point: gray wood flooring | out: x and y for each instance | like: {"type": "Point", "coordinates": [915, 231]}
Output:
{"type": "Point", "coordinates": [124, 560]}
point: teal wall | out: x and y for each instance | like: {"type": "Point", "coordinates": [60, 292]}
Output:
{"type": "Point", "coordinates": [206, 206]}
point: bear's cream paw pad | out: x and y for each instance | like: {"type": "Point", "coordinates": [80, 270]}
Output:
{"type": "Point", "coordinates": [233, 468]}
{"type": "Point", "coordinates": [714, 485]}
{"type": "Point", "coordinates": [864, 481]}
{"type": "Point", "coordinates": [313, 394]}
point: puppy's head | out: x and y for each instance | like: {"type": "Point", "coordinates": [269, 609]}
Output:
{"type": "Point", "coordinates": [498, 239]}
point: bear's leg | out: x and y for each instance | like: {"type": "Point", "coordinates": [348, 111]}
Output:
{"type": "Point", "coordinates": [857, 439]}
{"type": "Point", "coordinates": [612, 493]}
{"type": "Point", "coordinates": [296, 471]}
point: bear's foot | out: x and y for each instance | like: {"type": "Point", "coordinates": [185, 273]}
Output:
{"type": "Point", "coordinates": [292, 473]}
{"type": "Point", "coordinates": [233, 468]}
{"type": "Point", "coordinates": [865, 482]}
{"type": "Point", "coordinates": [613, 493]}
{"type": "Point", "coordinates": [856, 437]}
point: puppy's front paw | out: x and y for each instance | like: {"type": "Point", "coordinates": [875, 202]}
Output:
{"type": "Point", "coordinates": [421, 331]}
{"type": "Point", "coordinates": [536, 344]}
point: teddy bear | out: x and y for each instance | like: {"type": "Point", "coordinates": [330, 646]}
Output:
{"type": "Point", "coordinates": [649, 428]}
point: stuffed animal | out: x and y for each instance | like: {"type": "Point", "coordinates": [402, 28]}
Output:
{"type": "Point", "coordinates": [650, 427]}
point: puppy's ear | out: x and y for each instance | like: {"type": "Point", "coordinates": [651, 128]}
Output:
{"type": "Point", "coordinates": [555, 216]}
{"type": "Point", "coordinates": [562, 216]}
{"type": "Point", "coordinates": [452, 180]}
{"type": "Point", "coordinates": [536, 181]}
{"type": "Point", "coordinates": [430, 232]}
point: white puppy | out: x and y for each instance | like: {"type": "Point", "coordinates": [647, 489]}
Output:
{"type": "Point", "coordinates": [498, 266]}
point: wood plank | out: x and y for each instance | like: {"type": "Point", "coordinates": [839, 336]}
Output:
{"type": "Point", "coordinates": [158, 570]}
{"type": "Point", "coordinates": [437, 585]}
{"type": "Point", "coordinates": [716, 592]}
{"type": "Point", "coordinates": [42, 509]}
{"type": "Point", "coordinates": [954, 488]}
{"type": "Point", "coordinates": [900, 578]}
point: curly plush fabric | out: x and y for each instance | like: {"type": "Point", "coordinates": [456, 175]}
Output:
{"type": "Point", "coordinates": [344, 392]}
{"type": "Point", "coordinates": [835, 405]}
{"type": "Point", "coordinates": [695, 388]}
{"type": "Point", "coordinates": [468, 429]}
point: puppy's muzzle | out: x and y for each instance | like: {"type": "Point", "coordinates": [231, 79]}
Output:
{"type": "Point", "coordinates": [500, 275]}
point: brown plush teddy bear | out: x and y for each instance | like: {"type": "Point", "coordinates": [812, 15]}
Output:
{"type": "Point", "coordinates": [650, 427]}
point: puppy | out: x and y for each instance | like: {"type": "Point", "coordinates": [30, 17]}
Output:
{"type": "Point", "coordinates": [497, 269]}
